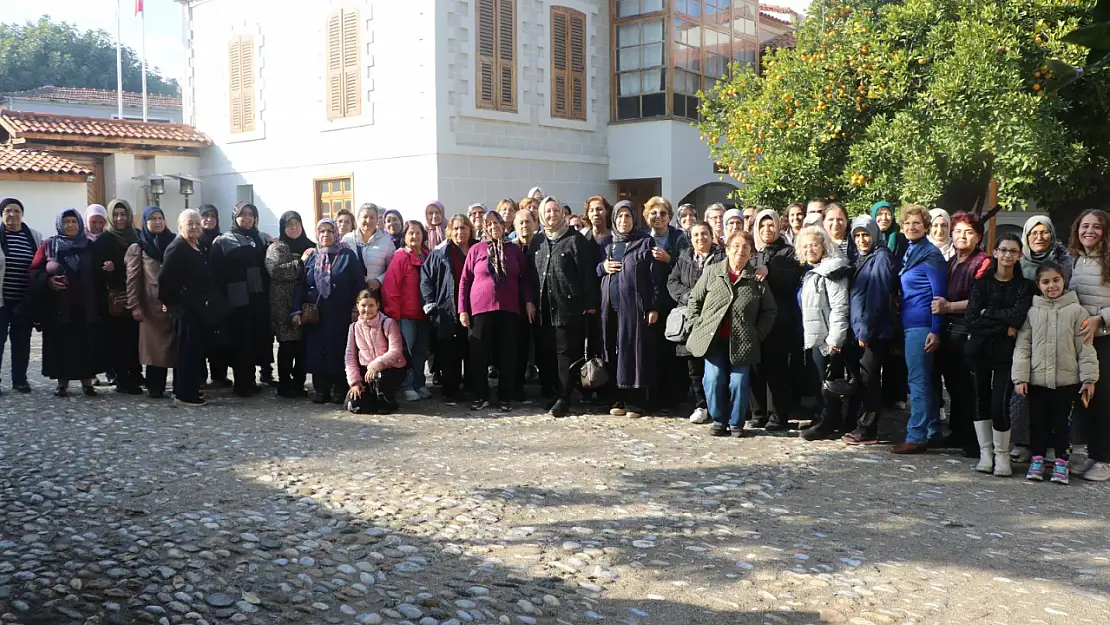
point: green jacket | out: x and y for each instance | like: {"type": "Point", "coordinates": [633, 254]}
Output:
{"type": "Point", "coordinates": [749, 305]}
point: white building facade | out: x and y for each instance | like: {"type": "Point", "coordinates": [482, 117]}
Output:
{"type": "Point", "coordinates": [329, 104]}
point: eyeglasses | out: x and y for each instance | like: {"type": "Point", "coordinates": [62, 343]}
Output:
{"type": "Point", "coordinates": [1040, 234]}
{"type": "Point", "coordinates": [1007, 251]}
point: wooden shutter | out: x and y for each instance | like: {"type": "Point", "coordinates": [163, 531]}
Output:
{"type": "Point", "coordinates": [559, 61]}
{"type": "Point", "coordinates": [235, 85]}
{"type": "Point", "coordinates": [577, 45]}
{"type": "Point", "coordinates": [334, 75]}
{"type": "Point", "coordinates": [352, 93]}
{"type": "Point", "coordinates": [246, 59]}
{"type": "Point", "coordinates": [506, 55]}
{"type": "Point", "coordinates": [487, 60]}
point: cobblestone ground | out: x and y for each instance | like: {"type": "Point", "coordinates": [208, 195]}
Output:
{"type": "Point", "coordinates": [125, 510]}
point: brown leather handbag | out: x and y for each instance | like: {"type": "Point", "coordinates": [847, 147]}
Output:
{"type": "Point", "coordinates": [310, 314]}
{"type": "Point", "coordinates": [117, 302]}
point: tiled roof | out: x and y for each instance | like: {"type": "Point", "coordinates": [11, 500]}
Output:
{"type": "Point", "coordinates": [41, 126]}
{"type": "Point", "coordinates": [772, 18]}
{"type": "Point", "coordinates": [32, 162]}
{"type": "Point", "coordinates": [785, 40]}
{"type": "Point", "coordinates": [96, 96]}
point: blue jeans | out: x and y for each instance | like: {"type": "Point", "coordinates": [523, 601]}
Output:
{"type": "Point", "coordinates": [17, 328]}
{"type": "Point", "coordinates": [924, 423]}
{"type": "Point", "coordinates": [417, 334]}
{"type": "Point", "coordinates": [727, 387]}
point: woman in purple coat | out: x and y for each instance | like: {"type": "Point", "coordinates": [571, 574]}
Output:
{"type": "Point", "coordinates": [632, 285]}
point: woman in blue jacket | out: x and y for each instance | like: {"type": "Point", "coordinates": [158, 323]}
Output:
{"type": "Point", "coordinates": [924, 275]}
{"type": "Point", "coordinates": [874, 287]}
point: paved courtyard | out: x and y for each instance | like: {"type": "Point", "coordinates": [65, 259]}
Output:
{"type": "Point", "coordinates": [121, 510]}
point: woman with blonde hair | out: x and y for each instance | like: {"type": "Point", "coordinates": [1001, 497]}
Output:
{"type": "Point", "coordinates": [439, 288]}
{"type": "Point", "coordinates": [669, 243]}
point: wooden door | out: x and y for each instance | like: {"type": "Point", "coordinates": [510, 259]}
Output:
{"type": "Point", "coordinates": [639, 191]}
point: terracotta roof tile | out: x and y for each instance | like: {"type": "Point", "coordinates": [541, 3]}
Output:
{"type": "Point", "coordinates": [785, 40]}
{"type": "Point", "coordinates": [32, 162]}
{"type": "Point", "coordinates": [96, 96]}
{"type": "Point", "coordinates": [28, 125]}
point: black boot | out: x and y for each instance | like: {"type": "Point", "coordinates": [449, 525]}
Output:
{"type": "Point", "coordinates": [775, 424]}
{"type": "Point", "coordinates": [822, 429]}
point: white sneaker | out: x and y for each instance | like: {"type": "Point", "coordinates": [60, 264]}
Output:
{"type": "Point", "coordinates": [411, 396]}
{"type": "Point", "coordinates": [1020, 454]}
{"type": "Point", "coordinates": [943, 416]}
{"type": "Point", "coordinates": [1100, 472]}
{"type": "Point", "coordinates": [700, 415]}
{"type": "Point", "coordinates": [423, 392]}
{"type": "Point", "coordinates": [1080, 464]}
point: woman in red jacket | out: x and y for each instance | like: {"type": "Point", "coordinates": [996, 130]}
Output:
{"type": "Point", "coordinates": [403, 303]}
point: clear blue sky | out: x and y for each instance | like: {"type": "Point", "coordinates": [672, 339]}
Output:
{"type": "Point", "coordinates": [164, 49]}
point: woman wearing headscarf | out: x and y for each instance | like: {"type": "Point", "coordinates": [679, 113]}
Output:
{"type": "Point", "coordinates": [96, 219]}
{"type": "Point", "coordinates": [238, 265]}
{"type": "Point", "coordinates": [18, 244]}
{"type": "Point", "coordinates": [210, 226]}
{"type": "Point", "coordinates": [477, 214]}
{"type": "Point", "coordinates": [219, 357]}
{"type": "Point", "coordinates": [734, 222]}
{"type": "Point", "coordinates": [940, 232]}
{"type": "Point", "coordinates": [871, 304]}
{"type": "Point", "coordinates": [331, 281]}
{"type": "Point", "coordinates": [394, 225]}
{"type": "Point", "coordinates": [143, 262]}
{"type": "Point", "coordinates": [567, 293]}
{"type": "Point", "coordinates": [777, 266]}
{"type": "Point", "coordinates": [120, 342]}
{"type": "Point", "coordinates": [63, 286]}
{"type": "Point", "coordinates": [285, 260]}
{"type": "Point", "coordinates": [890, 233]}
{"type": "Point", "coordinates": [433, 224]}
{"type": "Point", "coordinates": [494, 293]}
{"type": "Point", "coordinates": [632, 285]}
{"type": "Point", "coordinates": [894, 369]}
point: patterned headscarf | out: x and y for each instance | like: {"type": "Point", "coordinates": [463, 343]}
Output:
{"type": "Point", "coordinates": [496, 251]}
{"type": "Point", "coordinates": [436, 234]}
{"type": "Point", "coordinates": [325, 258]}
{"type": "Point", "coordinates": [67, 252]}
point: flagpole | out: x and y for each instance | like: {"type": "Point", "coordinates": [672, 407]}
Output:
{"type": "Point", "coordinates": [119, 60]}
{"type": "Point", "coordinates": [144, 60]}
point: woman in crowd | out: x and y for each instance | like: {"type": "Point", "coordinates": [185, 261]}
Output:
{"type": "Point", "coordinates": [186, 288]}
{"type": "Point", "coordinates": [210, 226]}
{"type": "Point", "coordinates": [64, 287]}
{"type": "Point", "coordinates": [402, 302]}
{"type": "Point", "coordinates": [536, 194]}
{"type": "Point", "coordinates": [238, 264]}
{"type": "Point", "coordinates": [18, 244]}
{"type": "Point", "coordinates": [836, 224]}
{"type": "Point", "coordinates": [330, 283]}
{"type": "Point", "coordinates": [96, 219]}
{"type": "Point", "coordinates": [439, 290]}
{"type": "Point", "coordinates": [477, 214]}
{"type": "Point", "coordinates": [1053, 364]}
{"type": "Point", "coordinates": [121, 332]}
{"type": "Point", "coordinates": [940, 232]}
{"type": "Point", "coordinates": [494, 293]}
{"type": "Point", "coordinates": [715, 217]}
{"type": "Point", "coordinates": [285, 260]}
{"type": "Point", "coordinates": [734, 222]}
{"type": "Point", "coordinates": [686, 217]}
{"type": "Point", "coordinates": [394, 225]}
{"type": "Point", "coordinates": [777, 266]}
{"type": "Point", "coordinates": [967, 263]}
{"type": "Point", "coordinates": [143, 262]}
{"type": "Point", "coordinates": [795, 215]}
{"type": "Point", "coordinates": [996, 309]}
{"type": "Point", "coordinates": [507, 209]}
{"type": "Point", "coordinates": [373, 246]}
{"type": "Point", "coordinates": [1089, 244]}
{"type": "Point", "coordinates": [528, 204]}
{"type": "Point", "coordinates": [526, 228]}
{"type": "Point", "coordinates": [890, 235]}
{"type": "Point", "coordinates": [731, 314]}
{"type": "Point", "coordinates": [375, 360]}
{"type": "Point", "coordinates": [433, 223]}
{"type": "Point", "coordinates": [601, 231]}
{"type": "Point", "coordinates": [704, 251]}
{"type": "Point", "coordinates": [894, 367]}
{"type": "Point", "coordinates": [825, 305]}
{"type": "Point", "coordinates": [632, 282]}
{"type": "Point", "coordinates": [345, 219]}
{"type": "Point", "coordinates": [219, 358]}
{"type": "Point", "coordinates": [872, 295]}
{"type": "Point", "coordinates": [669, 243]}
{"type": "Point", "coordinates": [567, 292]}
{"type": "Point", "coordinates": [923, 276]}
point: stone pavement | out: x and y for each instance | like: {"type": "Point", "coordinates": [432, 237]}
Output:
{"type": "Point", "coordinates": [126, 510]}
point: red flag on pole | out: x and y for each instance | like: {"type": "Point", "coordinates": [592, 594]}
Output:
{"type": "Point", "coordinates": [138, 6]}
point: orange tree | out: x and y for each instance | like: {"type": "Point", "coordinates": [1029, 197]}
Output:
{"type": "Point", "coordinates": [900, 100]}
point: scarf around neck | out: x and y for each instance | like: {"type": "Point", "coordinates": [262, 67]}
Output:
{"type": "Point", "coordinates": [67, 252]}
{"type": "Point", "coordinates": [154, 245]}
{"type": "Point", "coordinates": [888, 237]}
{"type": "Point", "coordinates": [127, 235]}
{"type": "Point", "coordinates": [325, 258]}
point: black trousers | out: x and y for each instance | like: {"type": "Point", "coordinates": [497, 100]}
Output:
{"type": "Point", "coordinates": [866, 405]}
{"type": "Point", "coordinates": [218, 362]}
{"type": "Point", "coordinates": [121, 346]}
{"type": "Point", "coordinates": [832, 406]}
{"type": "Point", "coordinates": [696, 368]}
{"type": "Point", "coordinates": [558, 348]}
{"type": "Point", "coordinates": [993, 361]}
{"type": "Point", "coordinates": [451, 352]}
{"type": "Point", "coordinates": [1049, 409]}
{"type": "Point", "coordinates": [895, 376]}
{"type": "Point", "coordinates": [377, 395]}
{"type": "Point", "coordinates": [190, 359]}
{"type": "Point", "coordinates": [525, 346]}
{"type": "Point", "coordinates": [771, 380]}
{"type": "Point", "coordinates": [491, 333]}
{"type": "Point", "coordinates": [1096, 417]}
{"type": "Point", "coordinates": [952, 365]}
{"type": "Point", "coordinates": [667, 391]}
{"type": "Point", "coordinates": [155, 379]}
{"type": "Point", "coordinates": [290, 366]}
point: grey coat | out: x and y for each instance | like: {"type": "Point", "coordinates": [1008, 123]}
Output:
{"type": "Point", "coordinates": [748, 304]}
{"type": "Point", "coordinates": [284, 269]}
{"type": "Point", "coordinates": [825, 304]}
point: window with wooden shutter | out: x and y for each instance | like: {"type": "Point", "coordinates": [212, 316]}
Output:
{"type": "Point", "coordinates": [240, 56]}
{"type": "Point", "coordinates": [495, 25]}
{"type": "Point", "coordinates": [343, 72]}
{"type": "Point", "coordinates": [568, 63]}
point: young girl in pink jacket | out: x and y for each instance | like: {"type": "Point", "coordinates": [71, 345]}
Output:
{"type": "Point", "coordinates": [375, 359]}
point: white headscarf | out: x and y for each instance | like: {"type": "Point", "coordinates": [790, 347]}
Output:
{"type": "Point", "coordinates": [945, 247]}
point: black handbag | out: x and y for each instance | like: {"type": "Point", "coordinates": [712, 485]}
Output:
{"type": "Point", "coordinates": [844, 386]}
{"type": "Point", "coordinates": [955, 333]}
{"type": "Point", "coordinates": [213, 310]}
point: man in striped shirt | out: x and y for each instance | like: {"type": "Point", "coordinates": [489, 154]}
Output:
{"type": "Point", "coordinates": [19, 243]}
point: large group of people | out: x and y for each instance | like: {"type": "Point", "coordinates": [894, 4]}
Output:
{"type": "Point", "coordinates": [758, 309]}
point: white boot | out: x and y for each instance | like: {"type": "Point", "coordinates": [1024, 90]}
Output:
{"type": "Point", "coordinates": [986, 447]}
{"type": "Point", "coordinates": [1001, 453]}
